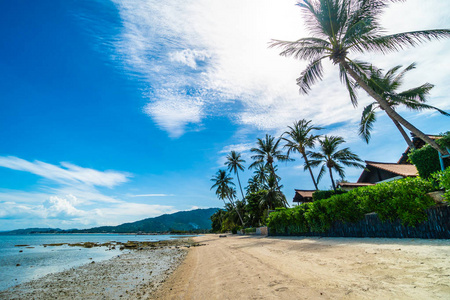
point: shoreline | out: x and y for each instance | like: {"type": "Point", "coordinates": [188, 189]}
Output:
{"type": "Point", "coordinates": [256, 267]}
{"type": "Point", "coordinates": [132, 275]}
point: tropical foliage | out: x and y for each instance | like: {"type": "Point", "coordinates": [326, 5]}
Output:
{"type": "Point", "coordinates": [333, 159]}
{"type": "Point", "coordinates": [404, 200]}
{"type": "Point", "coordinates": [386, 86]}
{"type": "Point", "coordinates": [426, 159]}
{"type": "Point", "coordinates": [266, 153]}
{"type": "Point", "coordinates": [340, 29]}
{"type": "Point", "coordinates": [442, 178]}
{"type": "Point", "coordinates": [299, 138]}
{"type": "Point", "coordinates": [343, 27]}
{"type": "Point", "coordinates": [234, 163]}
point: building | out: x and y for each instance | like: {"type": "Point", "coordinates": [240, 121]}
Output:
{"type": "Point", "coordinates": [303, 196]}
{"type": "Point", "coordinates": [376, 172]}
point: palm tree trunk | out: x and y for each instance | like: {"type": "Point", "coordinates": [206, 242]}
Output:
{"type": "Point", "coordinates": [310, 171]}
{"type": "Point", "coordinates": [240, 186]}
{"type": "Point", "coordinates": [387, 108]}
{"type": "Point", "coordinates": [332, 180]}
{"type": "Point", "coordinates": [404, 134]}
{"type": "Point", "coordinates": [274, 175]}
{"type": "Point", "coordinates": [237, 211]}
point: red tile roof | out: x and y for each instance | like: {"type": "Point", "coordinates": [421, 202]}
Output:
{"type": "Point", "coordinates": [399, 169]}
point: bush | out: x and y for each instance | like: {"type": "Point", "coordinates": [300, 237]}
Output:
{"type": "Point", "coordinates": [426, 159]}
{"type": "Point", "coordinates": [319, 195]}
{"type": "Point", "coordinates": [442, 178]}
{"type": "Point", "coordinates": [403, 200]}
{"type": "Point", "coordinates": [250, 230]}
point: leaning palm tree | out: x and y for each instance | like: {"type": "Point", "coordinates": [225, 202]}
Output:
{"type": "Point", "coordinates": [386, 86]}
{"type": "Point", "coordinates": [267, 152]}
{"type": "Point", "coordinates": [299, 139]}
{"type": "Point", "coordinates": [224, 190]}
{"type": "Point", "coordinates": [341, 27]}
{"type": "Point", "coordinates": [332, 159]}
{"type": "Point", "coordinates": [234, 163]}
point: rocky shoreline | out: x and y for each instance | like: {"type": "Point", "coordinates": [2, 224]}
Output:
{"type": "Point", "coordinates": [133, 275]}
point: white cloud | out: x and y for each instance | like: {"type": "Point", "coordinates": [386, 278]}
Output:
{"type": "Point", "coordinates": [153, 195]}
{"type": "Point", "coordinates": [189, 57]}
{"type": "Point", "coordinates": [66, 174]}
{"type": "Point", "coordinates": [230, 38]}
{"type": "Point", "coordinates": [173, 113]}
{"type": "Point", "coordinates": [68, 211]}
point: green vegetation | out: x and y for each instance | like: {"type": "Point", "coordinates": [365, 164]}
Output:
{"type": "Point", "coordinates": [319, 195]}
{"type": "Point", "coordinates": [332, 159]}
{"type": "Point", "coordinates": [341, 28]}
{"type": "Point", "coordinates": [299, 140]}
{"type": "Point", "coordinates": [442, 178]}
{"type": "Point", "coordinates": [386, 86]}
{"type": "Point", "coordinates": [264, 189]}
{"type": "Point", "coordinates": [344, 27]}
{"type": "Point", "coordinates": [404, 200]}
{"type": "Point", "coordinates": [426, 159]}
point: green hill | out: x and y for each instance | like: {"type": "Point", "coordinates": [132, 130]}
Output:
{"type": "Point", "coordinates": [198, 219]}
{"type": "Point", "coordinates": [193, 220]}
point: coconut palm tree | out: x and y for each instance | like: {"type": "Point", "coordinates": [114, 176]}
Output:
{"type": "Point", "coordinates": [386, 86]}
{"type": "Point", "coordinates": [253, 185]}
{"type": "Point", "coordinates": [267, 152]}
{"type": "Point", "coordinates": [299, 139]}
{"type": "Point", "coordinates": [272, 197]}
{"type": "Point", "coordinates": [224, 190]}
{"type": "Point", "coordinates": [341, 27]}
{"type": "Point", "coordinates": [332, 159]}
{"type": "Point", "coordinates": [234, 163]}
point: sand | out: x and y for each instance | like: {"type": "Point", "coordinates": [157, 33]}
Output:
{"type": "Point", "coordinates": [252, 267]}
{"type": "Point", "coordinates": [243, 267]}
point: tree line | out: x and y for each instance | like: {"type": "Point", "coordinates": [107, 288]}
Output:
{"type": "Point", "coordinates": [339, 29]}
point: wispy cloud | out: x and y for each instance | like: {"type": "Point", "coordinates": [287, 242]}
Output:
{"type": "Point", "coordinates": [199, 57]}
{"type": "Point", "coordinates": [70, 197]}
{"type": "Point", "coordinates": [153, 195]}
{"type": "Point", "coordinates": [67, 173]}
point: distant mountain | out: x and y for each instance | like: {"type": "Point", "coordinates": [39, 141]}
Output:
{"type": "Point", "coordinates": [31, 231]}
{"type": "Point", "coordinates": [193, 220]}
{"type": "Point", "coordinates": [198, 219]}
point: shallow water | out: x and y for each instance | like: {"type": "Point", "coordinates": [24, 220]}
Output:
{"type": "Point", "coordinates": [36, 261]}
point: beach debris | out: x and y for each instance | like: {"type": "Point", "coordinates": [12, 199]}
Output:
{"type": "Point", "coordinates": [222, 236]}
{"type": "Point", "coordinates": [21, 245]}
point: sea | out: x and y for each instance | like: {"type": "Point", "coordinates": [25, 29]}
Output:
{"type": "Point", "coordinates": [19, 264]}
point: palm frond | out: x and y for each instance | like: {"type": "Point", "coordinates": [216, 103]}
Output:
{"type": "Point", "coordinates": [350, 84]}
{"type": "Point", "coordinates": [312, 74]}
{"type": "Point", "coordinates": [368, 118]}
{"type": "Point", "coordinates": [305, 48]}
{"type": "Point", "coordinates": [399, 41]}
{"type": "Point", "coordinates": [321, 173]}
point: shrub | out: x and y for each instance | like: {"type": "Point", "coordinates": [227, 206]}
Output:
{"type": "Point", "coordinates": [319, 195]}
{"type": "Point", "coordinates": [250, 230]}
{"type": "Point", "coordinates": [442, 178]}
{"type": "Point", "coordinates": [404, 199]}
{"type": "Point", "coordinates": [426, 159]}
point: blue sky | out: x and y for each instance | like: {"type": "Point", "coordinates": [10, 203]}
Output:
{"type": "Point", "coordinates": [115, 111]}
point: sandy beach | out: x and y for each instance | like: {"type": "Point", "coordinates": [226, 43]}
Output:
{"type": "Point", "coordinates": [252, 267]}
{"type": "Point", "coordinates": [243, 267]}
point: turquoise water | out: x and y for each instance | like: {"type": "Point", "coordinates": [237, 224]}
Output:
{"type": "Point", "coordinates": [36, 261]}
